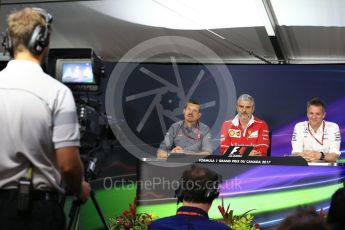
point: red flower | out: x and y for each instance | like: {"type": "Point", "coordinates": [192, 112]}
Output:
{"type": "Point", "coordinates": [130, 218]}
{"type": "Point", "coordinates": [125, 213]}
{"type": "Point", "coordinates": [135, 202]}
{"type": "Point", "coordinates": [228, 214]}
{"type": "Point", "coordinates": [221, 210]}
{"type": "Point", "coordinates": [119, 219]}
{"type": "Point", "coordinates": [322, 213]}
{"type": "Point", "coordinates": [131, 209]}
{"type": "Point", "coordinates": [257, 225]}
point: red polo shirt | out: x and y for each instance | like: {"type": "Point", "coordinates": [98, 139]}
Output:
{"type": "Point", "coordinates": [255, 134]}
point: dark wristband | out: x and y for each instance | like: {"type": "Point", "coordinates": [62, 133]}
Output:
{"type": "Point", "coordinates": [322, 157]}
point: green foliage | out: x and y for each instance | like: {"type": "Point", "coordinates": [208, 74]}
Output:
{"type": "Point", "coordinates": [130, 220]}
{"type": "Point", "coordinates": [243, 222]}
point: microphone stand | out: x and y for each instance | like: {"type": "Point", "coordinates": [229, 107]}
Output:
{"type": "Point", "coordinates": [74, 213]}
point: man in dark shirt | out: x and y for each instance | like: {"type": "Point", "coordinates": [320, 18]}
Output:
{"type": "Point", "coordinates": [198, 188]}
{"type": "Point", "coordinates": [188, 136]}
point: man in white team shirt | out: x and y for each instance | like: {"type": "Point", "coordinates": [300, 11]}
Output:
{"type": "Point", "coordinates": [316, 139]}
{"type": "Point", "coordinates": [39, 131]}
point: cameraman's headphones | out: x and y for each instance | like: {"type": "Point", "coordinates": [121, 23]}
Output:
{"type": "Point", "coordinates": [209, 193]}
{"type": "Point", "coordinates": [39, 38]}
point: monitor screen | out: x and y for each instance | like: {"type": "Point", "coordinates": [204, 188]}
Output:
{"type": "Point", "coordinates": [75, 71]}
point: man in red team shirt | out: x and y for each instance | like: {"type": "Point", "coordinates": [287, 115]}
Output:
{"type": "Point", "coordinates": [245, 129]}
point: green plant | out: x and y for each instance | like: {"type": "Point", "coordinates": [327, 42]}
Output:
{"type": "Point", "coordinates": [242, 222]}
{"type": "Point", "coordinates": [130, 220]}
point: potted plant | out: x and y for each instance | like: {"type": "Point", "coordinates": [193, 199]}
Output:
{"type": "Point", "coordinates": [130, 219]}
{"type": "Point", "coordinates": [242, 222]}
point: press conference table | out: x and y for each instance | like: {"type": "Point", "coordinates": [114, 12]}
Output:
{"type": "Point", "coordinates": [273, 186]}
{"type": "Point", "coordinates": [286, 160]}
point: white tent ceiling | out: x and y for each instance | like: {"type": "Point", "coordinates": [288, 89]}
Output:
{"type": "Point", "coordinates": [238, 31]}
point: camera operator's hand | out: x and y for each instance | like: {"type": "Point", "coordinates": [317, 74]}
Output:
{"type": "Point", "coordinates": [84, 192]}
{"type": "Point", "coordinates": [72, 171]}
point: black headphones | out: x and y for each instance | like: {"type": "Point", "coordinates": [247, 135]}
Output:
{"type": "Point", "coordinates": [210, 189]}
{"type": "Point", "coordinates": [39, 38]}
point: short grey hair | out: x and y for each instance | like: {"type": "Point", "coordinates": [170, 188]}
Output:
{"type": "Point", "coordinates": [246, 97]}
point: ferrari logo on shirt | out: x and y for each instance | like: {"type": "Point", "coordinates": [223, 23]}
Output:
{"type": "Point", "coordinates": [234, 133]}
{"type": "Point", "coordinates": [253, 134]}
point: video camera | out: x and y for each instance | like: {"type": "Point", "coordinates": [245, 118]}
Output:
{"type": "Point", "coordinates": [82, 71]}
{"type": "Point", "coordinates": [79, 69]}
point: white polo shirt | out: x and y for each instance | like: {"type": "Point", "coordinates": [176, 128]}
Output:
{"type": "Point", "coordinates": [37, 116]}
{"type": "Point", "coordinates": [326, 139]}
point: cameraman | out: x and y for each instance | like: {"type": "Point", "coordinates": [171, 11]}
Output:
{"type": "Point", "coordinates": [39, 131]}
